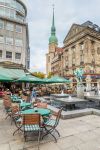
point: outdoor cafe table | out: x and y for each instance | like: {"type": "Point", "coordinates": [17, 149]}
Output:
{"type": "Point", "coordinates": [25, 105]}
{"type": "Point", "coordinates": [16, 99]}
{"type": "Point", "coordinates": [41, 111]}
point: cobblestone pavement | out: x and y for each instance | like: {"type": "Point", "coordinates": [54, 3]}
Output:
{"type": "Point", "coordinates": [76, 134]}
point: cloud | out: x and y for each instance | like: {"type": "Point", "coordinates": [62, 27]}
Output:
{"type": "Point", "coordinates": [66, 13]}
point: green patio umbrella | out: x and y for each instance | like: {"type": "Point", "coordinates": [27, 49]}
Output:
{"type": "Point", "coordinates": [30, 79]}
{"type": "Point", "coordinates": [45, 80]}
{"type": "Point", "coordinates": [57, 79]}
{"type": "Point", "coordinates": [5, 79]}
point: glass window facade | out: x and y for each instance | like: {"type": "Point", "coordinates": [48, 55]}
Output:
{"type": "Point", "coordinates": [9, 40]}
{"type": "Point", "coordinates": [1, 39]}
{"type": "Point", "coordinates": [1, 24]}
{"type": "Point", "coordinates": [12, 9]}
{"type": "Point", "coordinates": [8, 54]}
{"type": "Point", "coordinates": [0, 53]}
{"type": "Point", "coordinates": [17, 55]}
{"type": "Point", "coordinates": [10, 27]}
{"type": "Point", "coordinates": [18, 42]}
{"type": "Point", "coordinates": [13, 4]}
{"type": "Point", "coordinates": [18, 28]}
{"type": "Point", "coordinates": [1, 11]}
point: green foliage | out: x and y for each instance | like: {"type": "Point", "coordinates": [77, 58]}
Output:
{"type": "Point", "coordinates": [39, 74]}
{"type": "Point", "coordinates": [50, 75]}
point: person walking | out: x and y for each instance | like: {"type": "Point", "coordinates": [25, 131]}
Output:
{"type": "Point", "coordinates": [33, 95]}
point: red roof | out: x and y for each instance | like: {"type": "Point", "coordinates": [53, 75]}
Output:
{"type": "Point", "coordinates": [59, 49]}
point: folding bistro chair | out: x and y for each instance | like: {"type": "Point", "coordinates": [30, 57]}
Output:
{"type": "Point", "coordinates": [51, 124]}
{"type": "Point", "coordinates": [15, 113]}
{"type": "Point", "coordinates": [17, 118]}
{"type": "Point", "coordinates": [7, 106]}
{"type": "Point", "coordinates": [32, 123]}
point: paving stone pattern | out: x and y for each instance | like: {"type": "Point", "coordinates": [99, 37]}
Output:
{"type": "Point", "coordinates": [81, 133]}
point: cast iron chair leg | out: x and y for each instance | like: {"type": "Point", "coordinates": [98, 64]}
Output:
{"type": "Point", "coordinates": [53, 137]}
{"type": "Point", "coordinates": [17, 130]}
{"type": "Point", "coordinates": [57, 132]}
{"type": "Point", "coordinates": [49, 132]}
{"type": "Point", "coordinates": [25, 136]}
{"type": "Point", "coordinates": [39, 139]}
{"type": "Point", "coordinates": [8, 115]}
{"type": "Point", "coordinates": [12, 120]}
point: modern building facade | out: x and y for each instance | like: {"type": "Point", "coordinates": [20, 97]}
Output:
{"type": "Point", "coordinates": [14, 37]}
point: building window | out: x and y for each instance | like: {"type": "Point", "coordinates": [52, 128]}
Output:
{"type": "Point", "coordinates": [73, 54]}
{"type": "Point", "coordinates": [1, 39]}
{"type": "Point", "coordinates": [7, 12]}
{"type": "Point", "coordinates": [12, 14]}
{"type": "Point", "coordinates": [17, 55]}
{"type": "Point", "coordinates": [66, 58]}
{"type": "Point", "coordinates": [81, 46]}
{"type": "Point", "coordinates": [9, 40]}
{"type": "Point", "coordinates": [48, 58]}
{"type": "Point", "coordinates": [1, 24]}
{"type": "Point", "coordinates": [18, 42]}
{"type": "Point", "coordinates": [10, 26]}
{"type": "Point", "coordinates": [8, 54]}
{"type": "Point", "coordinates": [98, 50]}
{"type": "Point", "coordinates": [18, 29]}
{"type": "Point", "coordinates": [0, 53]}
{"type": "Point", "coordinates": [28, 64]}
{"type": "Point", "coordinates": [81, 56]}
{"type": "Point", "coordinates": [1, 11]}
{"type": "Point", "coordinates": [81, 52]}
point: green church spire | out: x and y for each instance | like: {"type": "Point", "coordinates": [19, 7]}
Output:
{"type": "Point", "coordinates": [53, 38]}
{"type": "Point", "coordinates": [53, 29]}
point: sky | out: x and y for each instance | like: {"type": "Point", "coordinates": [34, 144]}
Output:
{"type": "Point", "coordinates": [67, 12]}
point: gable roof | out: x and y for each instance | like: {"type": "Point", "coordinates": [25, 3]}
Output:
{"type": "Point", "coordinates": [75, 28]}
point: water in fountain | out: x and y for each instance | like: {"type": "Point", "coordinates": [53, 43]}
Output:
{"type": "Point", "coordinates": [62, 92]}
{"type": "Point", "coordinates": [99, 92]}
{"type": "Point", "coordinates": [88, 94]}
{"type": "Point", "coordinates": [69, 97]}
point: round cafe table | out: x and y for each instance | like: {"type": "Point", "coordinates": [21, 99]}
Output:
{"type": "Point", "coordinates": [25, 105]}
{"type": "Point", "coordinates": [41, 111]}
{"type": "Point", "coordinates": [17, 100]}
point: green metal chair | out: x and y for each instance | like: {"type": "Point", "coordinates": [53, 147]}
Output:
{"type": "Point", "coordinates": [32, 123]}
{"type": "Point", "coordinates": [51, 124]}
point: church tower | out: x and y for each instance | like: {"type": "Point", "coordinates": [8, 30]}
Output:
{"type": "Point", "coordinates": [53, 42]}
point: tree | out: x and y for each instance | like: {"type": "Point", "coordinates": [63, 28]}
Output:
{"type": "Point", "coordinates": [39, 74]}
{"type": "Point", "coordinates": [50, 75]}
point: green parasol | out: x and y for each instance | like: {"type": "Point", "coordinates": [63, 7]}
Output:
{"type": "Point", "coordinates": [30, 79]}
{"type": "Point", "coordinates": [57, 79]}
{"type": "Point", "coordinates": [5, 79]}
